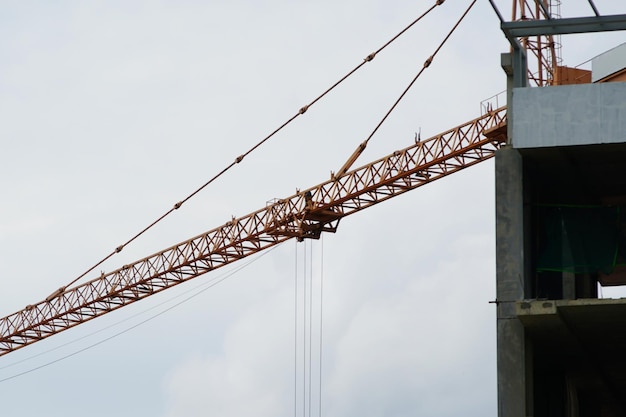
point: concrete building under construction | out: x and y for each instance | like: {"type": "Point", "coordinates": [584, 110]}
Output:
{"type": "Point", "coordinates": [561, 235]}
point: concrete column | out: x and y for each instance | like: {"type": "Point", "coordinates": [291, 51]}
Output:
{"type": "Point", "coordinates": [513, 354]}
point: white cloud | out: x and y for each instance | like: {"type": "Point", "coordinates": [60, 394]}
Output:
{"type": "Point", "coordinates": [251, 376]}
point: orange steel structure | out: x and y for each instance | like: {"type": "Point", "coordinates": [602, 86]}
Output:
{"type": "Point", "coordinates": [543, 50]}
{"type": "Point", "coordinates": [304, 215]}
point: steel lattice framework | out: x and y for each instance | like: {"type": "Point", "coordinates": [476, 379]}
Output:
{"type": "Point", "coordinates": [304, 215]}
{"type": "Point", "coordinates": [543, 50]}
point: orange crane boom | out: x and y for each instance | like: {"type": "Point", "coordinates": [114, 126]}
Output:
{"type": "Point", "coordinates": [304, 215]}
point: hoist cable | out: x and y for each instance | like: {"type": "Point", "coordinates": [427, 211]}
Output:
{"type": "Point", "coordinates": [237, 160]}
{"type": "Point", "coordinates": [321, 322]}
{"type": "Point", "coordinates": [304, 327]}
{"type": "Point", "coordinates": [295, 334]}
{"type": "Point", "coordinates": [310, 320]}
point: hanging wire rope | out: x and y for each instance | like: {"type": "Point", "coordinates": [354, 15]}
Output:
{"type": "Point", "coordinates": [310, 321]}
{"type": "Point", "coordinates": [321, 323]}
{"type": "Point", "coordinates": [240, 158]}
{"type": "Point", "coordinates": [303, 370]}
{"type": "Point", "coordinates": [196, 291]}
{"type": "Point", "coordinates": [295, 333]}
{"type": "Point", "coordinates": [304, 329]}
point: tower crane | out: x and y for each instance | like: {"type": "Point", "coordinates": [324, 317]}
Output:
{"type": "Point", "coordinates": [304, 215]}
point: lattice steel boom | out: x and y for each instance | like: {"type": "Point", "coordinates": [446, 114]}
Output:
{"type": "Point", "coordinates": [304, 215]}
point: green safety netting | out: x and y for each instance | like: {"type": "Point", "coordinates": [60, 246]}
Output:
{"type": "Point", "coordinates": [579, 239]}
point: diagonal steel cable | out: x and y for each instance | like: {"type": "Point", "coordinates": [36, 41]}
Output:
{"type": "Point", "coordinates": [237, 160]}
{"type": "Point", "coordinates": [359, 150]}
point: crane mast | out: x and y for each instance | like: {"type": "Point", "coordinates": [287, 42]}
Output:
{"type": "Point", "coordinates": [544, 50]}
{"type": "Point", "coordinates": [304, 215]}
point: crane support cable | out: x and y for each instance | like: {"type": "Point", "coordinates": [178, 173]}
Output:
{"type": "Point", "coordinates": [240, 158]}
{"type": "Point", "coordinates": [359, 150]}
{"type": "Point", "coordinates": [306, 214]}
{"type": "Point", "coordinates": [594, 8]}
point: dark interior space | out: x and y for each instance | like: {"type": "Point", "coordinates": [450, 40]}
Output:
{"type": "Point", "coordinates": [575, 205]}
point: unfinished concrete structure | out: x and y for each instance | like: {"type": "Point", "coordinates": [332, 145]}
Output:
{"type": "Point", "coordinates": [561, 231]}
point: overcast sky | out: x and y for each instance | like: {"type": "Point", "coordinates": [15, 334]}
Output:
{"type": "Point", "coordinates": [113, 111]}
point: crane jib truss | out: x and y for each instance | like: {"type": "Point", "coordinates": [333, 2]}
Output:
{"type": "Point", "coordinates": [304, 215]}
